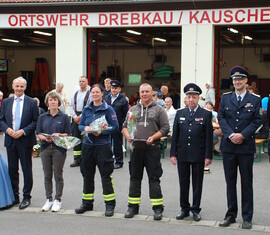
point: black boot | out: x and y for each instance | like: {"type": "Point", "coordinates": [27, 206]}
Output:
{"type": "Point", "coordinates": [158, 213]}
{"type": "Point", "coordinates": [109, 210]}
{"type": "Point", "coordinates": [76, 163]}
{"type": "Point", "coordinates": [132, 210]}
{"type": "Point", "coordinates": [85, 206]}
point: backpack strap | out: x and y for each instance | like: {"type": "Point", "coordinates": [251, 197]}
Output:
{"type": "Point", "coordinates": [86, 98]}
{"type": "Point", "coordinates": [75, 100]}
{"type": "Point", "coordinates": [84, 101]}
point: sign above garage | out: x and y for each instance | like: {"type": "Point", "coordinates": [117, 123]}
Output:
{"type": "Point", "coordinates": [137, 19]}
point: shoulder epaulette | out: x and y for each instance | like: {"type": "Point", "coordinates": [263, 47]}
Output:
{"type": "Point", "coordinates": [226, 93]}
{"type": "Point", "coordinates": [256, 95]}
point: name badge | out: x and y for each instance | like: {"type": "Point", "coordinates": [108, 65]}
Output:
{"type": "Point", "coordinates": [248, 105]}
{"type": "Point", "coordinates": [182, 118]}
{"type": "Point", "coordinates": [198, 119]}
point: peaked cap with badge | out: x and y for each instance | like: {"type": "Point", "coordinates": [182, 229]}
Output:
{"type": "Point", "coordinates": [192, 88]}
{"type": "Point", "coordinates": [115, 83]}
{"type": "Point", "coordinates": [239, 72]}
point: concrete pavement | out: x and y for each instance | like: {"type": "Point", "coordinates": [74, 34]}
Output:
{"type": "Point", "coordinates": [213, 204]}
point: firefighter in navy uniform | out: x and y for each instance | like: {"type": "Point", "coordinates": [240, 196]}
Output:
{"type": "Point", "coordinates": [191, 150]}
{"type": "Point", "coordinates": [239, 117]}
{"type": "Point", "coordinates": [97, 152]}
{"type": "Point", "coordinates": [120, 106]}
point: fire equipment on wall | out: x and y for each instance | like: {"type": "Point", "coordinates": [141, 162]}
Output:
{"type": "Point", "coordinates": [3, 79]}
{"type": "Point", "coordinates": [41, 79]}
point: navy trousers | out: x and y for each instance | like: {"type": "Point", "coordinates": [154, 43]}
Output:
{"type": "Point", "coordinates": [17, 152]}
{"type": "Point", "coordinates": [231, 162]}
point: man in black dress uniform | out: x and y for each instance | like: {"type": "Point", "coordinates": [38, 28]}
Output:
{"type": "Point", "coordinates": [192, 150]}
{"type": "Point", "coordinates": [120, 106]}
{"type": "Point", "coordinates": [239, 117]}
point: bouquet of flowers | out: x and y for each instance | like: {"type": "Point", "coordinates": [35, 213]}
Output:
{"type": "Point", "coordinates": [99, 124]}
{"type": "Point", "coordinates": [66, 142]}
{"type": "Point", "coordinates": [131, 125]}
{"type": "Point", "coordinates": [36, 150]}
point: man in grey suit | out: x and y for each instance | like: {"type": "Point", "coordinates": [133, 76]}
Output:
{"type": "Point", "coordinates": [191, 149]}
{"type": "Point", "coordinates": [18, 120]}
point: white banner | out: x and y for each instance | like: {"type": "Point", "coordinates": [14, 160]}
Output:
{"type": "Point", "coordinates": [137, 19]}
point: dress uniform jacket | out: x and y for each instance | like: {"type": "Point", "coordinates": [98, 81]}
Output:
{"type": "Point", "coordinates": [120, 106]}
{"type": "Point", "coordinates": [192, 139]}
{"type": "Point", "coordinates": [244, 119]}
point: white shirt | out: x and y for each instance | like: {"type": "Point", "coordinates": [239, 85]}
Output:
{"type": "Point", "coordinates": [171, 115]}
{"type": "Point", "coordinates": [210, 96]}
{"type": "Point", "coordinates": [113, 98]}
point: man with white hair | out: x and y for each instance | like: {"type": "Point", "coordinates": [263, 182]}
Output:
{"type": "Point", "coordinates": [170, 112]}
{"type": "Point", "coordinates": [210, 94]}
{"type": "Point", "coordinates": [62, 95]}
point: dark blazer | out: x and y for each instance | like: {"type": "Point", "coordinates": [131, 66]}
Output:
{"type": "Point", "coordinates": [192, 139]}
{"type": "Point", "coordinates": [244, 119]}
{"type": "Point", "coordinates": [120, 106]}
{"type": "Point", "coordinates": [29, 119]}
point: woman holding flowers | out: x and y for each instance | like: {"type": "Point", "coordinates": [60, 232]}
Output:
{"type": "Point", "coordinates": [98, 121]}
{"type": "Point", "coordinates": [51, 124]}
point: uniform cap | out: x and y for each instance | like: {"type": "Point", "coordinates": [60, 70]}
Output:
{"type": "Point", "coordinates": [115, 83]}
{"type": "Point", "coordinates": [159, 94]}
{"type": "Point", "coordinates": [239, 72]}
{"type": "Point", "coordinates": [192, 88]}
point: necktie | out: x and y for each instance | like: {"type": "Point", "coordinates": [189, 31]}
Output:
{"type": "Point", "coordinates": [17, 114]}
{"type": "Point", "coordinates": [191, 113]}
{"type": "Point", "coordinates": [239, 100]}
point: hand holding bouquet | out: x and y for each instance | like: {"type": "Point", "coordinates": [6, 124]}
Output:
{"type": "Point", "coordinates": [66, 142]}
{"type": "Point", "coordinates": [97, 125]}
{"type": "Point", "coordinates": [131, 124]}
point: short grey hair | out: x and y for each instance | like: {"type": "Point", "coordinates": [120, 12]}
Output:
{"type": "Point", "coordinates": [169, 98]}
{"type": "Point", "coordinates": [83, 77]}
{"type": "Point", "coordinates": [59, 84]}
{"type": "Point", "coordinates": [20, 79]}
{"type": "Point", "coordinates": [1, 93]}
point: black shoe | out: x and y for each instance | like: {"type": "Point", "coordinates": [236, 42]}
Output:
{"type": "Point", "coordinates": [247, 225]}
{"type": "Point", "coordinates": [83, 208]}
{"type": "Point", "coordinates": [196, 217]}
{"type": "Point", "coordinates": [117, 166]}
{"type": "Point", "coordinates": [131, 212]}
{"type": "Point", "coordinates": [158, 213]}
{"type": "Point", "coordinates": [227, 221]}
{"type": "Point", "coordinates": [75, 163]}
{"type": "Point", "coordinates": [181, 215]}
{"type": "Point", "coordinates": [216, 153]}
{"type": "Point", "coordinates": [109, 210]}
{"type": "Point", "coordinates": [25, 203]}
{"type": "Point", "coordinates": [16, 201]}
